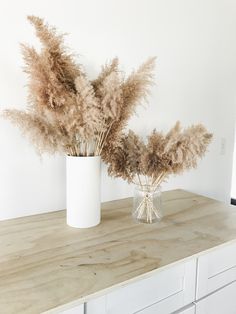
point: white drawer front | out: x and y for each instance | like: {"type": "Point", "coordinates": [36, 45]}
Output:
{"type": "Point", "coordinates": [189, 310]}
{"type": "Point", "coordinates": [76, 310]}
{"type": "Point", "coordinates": [96, 306]}
{"type": "Point", "coordinates": [162, 293]}
{"type": "Point", "coordinates": [168, 290]}
{"type": "Point", "coordinates": [168, 306]}
{"type": "Point", "coordinates": [216, 269]}
{"type": "Point", "coordinates": [222, 301]}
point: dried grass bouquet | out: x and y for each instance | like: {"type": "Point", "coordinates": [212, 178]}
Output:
{"type": "Point", "coordinates": [149, 163]}
{"type": "Point", "coordinates": [69, 113]}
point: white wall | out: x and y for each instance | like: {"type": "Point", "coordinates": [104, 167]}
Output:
{"type": "Point", "coordinates": [233, 187]}
{"type": "Point", "coordinates": [195, 42]}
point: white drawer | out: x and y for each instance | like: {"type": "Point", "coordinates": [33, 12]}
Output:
{"type": "Point", "coordinates": [75, 310]}
{"type": "Point", "coordinates": [222, 301]}
{"type": "Point", "coordinates": [167, 291]}
{"type": "Point", "coordinates": [216, 269]}
{"type": "Point", "coordinates": [166, 306]}
{"type": "Point", "coordinates": [187, 310]}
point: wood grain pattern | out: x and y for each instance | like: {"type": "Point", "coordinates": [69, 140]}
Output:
{"type": "Point", "coordinates": [45, 264]}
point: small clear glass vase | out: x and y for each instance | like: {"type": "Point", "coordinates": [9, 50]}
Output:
{"type": "Point", "coordinates": [147, 206]}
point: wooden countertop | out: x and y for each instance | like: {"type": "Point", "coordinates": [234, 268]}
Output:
{"type": "Point", "coordinates": [45, 264]}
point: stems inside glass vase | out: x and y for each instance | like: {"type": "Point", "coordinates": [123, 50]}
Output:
{"type": "Point", "coordinates": [147, 203]}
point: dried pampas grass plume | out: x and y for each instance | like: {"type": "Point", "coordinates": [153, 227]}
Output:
{"type": "Point", "coordinates": [69, 113]}
{"type": "Point", "coordinates": [106, 70]}
{"type": "Point", "coordinates": [162, 155]}
{"type": "Point", "coordinates": [46, 136]}
{"type": "Point", "coordinates": [134, 90]}
{"type": "Point", "coordinates": [51, 72]}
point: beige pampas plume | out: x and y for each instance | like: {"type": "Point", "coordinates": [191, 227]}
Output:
{"type": "Point", "coordinates": [161, 156]}
{"type": "Point", "coordinates": [52, 71]}
{"type": "Point", "coordinates": [106, 70]}
{"type": "Point", "coordinates": [69, 113]}
{"type": "Point", "coordinates": [136, 85]}
{"type": "Point", "coordinates": [41, 133]}
{"type": "Point", "coordinates": [134, 90]}
{"type": "Point", "coordinates": [110, 93]}
{"type": "Point", "coordinates": [88, 124]}
{"type": "Point", "coordinates": [125, 162]}
{"type": "Point", "coordinates": [62, 61]}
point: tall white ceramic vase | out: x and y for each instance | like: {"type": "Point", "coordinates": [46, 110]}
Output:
{"type": "Point", "coordinates": [83, 191]}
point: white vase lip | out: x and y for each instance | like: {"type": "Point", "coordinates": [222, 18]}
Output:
{"type": "Point", "coordinates": [84, 157]}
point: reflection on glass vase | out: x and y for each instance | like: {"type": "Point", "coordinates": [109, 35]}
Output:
{"type": "Point", "coordinates": [147, 204]}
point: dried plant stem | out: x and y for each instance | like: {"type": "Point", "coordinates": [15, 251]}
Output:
{"type": "Point", "coordinates": [147, 206]}
{"type": "Point", "coordinates": [70, 151]}
{"type": "Point", "coordinates": [99, 141]}
{"type": "Point", "coordinates": [140, 182]}
{"type": "Point", "coordinates": [103, 139]}
{"type": "Point", "coordinates": [159, 179]}
{"type": "Point", "coordinates": [73, 151]}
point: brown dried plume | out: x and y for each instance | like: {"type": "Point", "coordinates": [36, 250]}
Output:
{"type": "Point", "coordinates": [69, 113]}
{"type": "Point", "coordinates": [161, 156]}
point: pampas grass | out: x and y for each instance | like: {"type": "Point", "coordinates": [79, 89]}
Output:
{"type": "Point", "coordinates": [67, 112]}
{"type": "Point", "coordinates": [151, 162]}
{"type": "Point", "coordinates": [148, 163]}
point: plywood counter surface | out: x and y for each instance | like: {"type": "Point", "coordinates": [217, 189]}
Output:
{"type": "Point", "coordinates": [47, 266]}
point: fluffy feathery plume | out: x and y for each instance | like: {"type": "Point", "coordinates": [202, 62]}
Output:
{"type": "Point", "coordinates": [110, 94]}
{"type": "Point", "coordinates": [188, 148]}
{"type": "Point", "coordinates": [125, 162]}
{"type": "Point", "coordinates": [51, 72]}
{"type": "Point", "coordinates": [134, 89]}
{"type": "Point", "coordinates": [161, 156]}
{"type": "Point", "coordinates": [46, 92]}
{"type": "Point", "coordinates": [135, 149]}
{"type": "Point", "coordinates": [136, 85]}
{"type": "Point", "coordinates": [152, 159]}
{"type": "Point", "coordinates": [106, 70]}
{"type": "Point", "coordinates": [41, 133]}
{"type": "Point", "coordinates": [87, 115]}
{"type": "Point", "coordinates": [62, 62]}
{"type": "Point", "coordinates": [87, 125]}
{"type": "Point", "coordinates": [118, 166]}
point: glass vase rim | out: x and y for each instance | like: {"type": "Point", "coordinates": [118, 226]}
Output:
{"type": "Point", "coordinates": [144, 187]}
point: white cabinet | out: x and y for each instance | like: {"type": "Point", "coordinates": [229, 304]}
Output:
{"type": "Point", "coordinates": [97, 306]}
{"type": "Point", "coordinates": [166, 307]}
{"type": "Point", "coordinates": [206, 285]}
{"type": "Point", "coordinates": [75, 310]}
{"type": "Point", "coordinates": [188, 310]}
{"type": "Point", "coordinates": [222, 301]}
{"type": "Point", "coordinates": [216, 269]}
{"type": "Point", "coordinates": [163, 292]}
